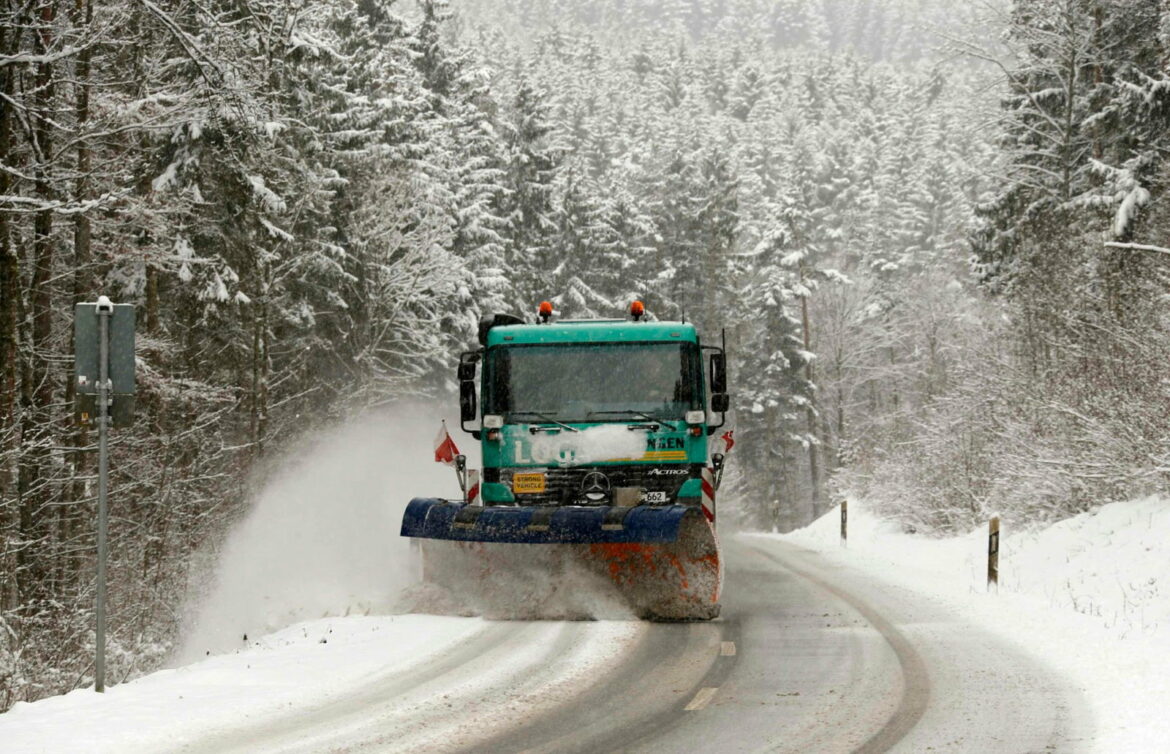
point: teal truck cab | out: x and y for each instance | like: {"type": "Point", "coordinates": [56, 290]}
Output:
{"type": "Point", "coordinates": [594, 437]}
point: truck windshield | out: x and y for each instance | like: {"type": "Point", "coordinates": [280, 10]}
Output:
{"type": "Point", "coordinates": [593, 381]}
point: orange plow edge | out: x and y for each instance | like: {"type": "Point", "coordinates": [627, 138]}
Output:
{"type": "Point", "coordinates": [670, 581]}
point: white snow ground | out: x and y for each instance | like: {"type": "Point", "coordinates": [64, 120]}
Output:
{"type": "Point", "coordinates": [1090, 595]}
{"type": "Point", "coordinates": [297, 667]}
{"type": "Point", "coordinates": [248, 700]}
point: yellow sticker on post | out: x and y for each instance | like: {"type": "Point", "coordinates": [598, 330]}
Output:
{"type": "Point", "coordinates": [528, 483]}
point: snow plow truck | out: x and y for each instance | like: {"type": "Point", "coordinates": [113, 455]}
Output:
{"type": "Point", "coordinates": [594, 438]}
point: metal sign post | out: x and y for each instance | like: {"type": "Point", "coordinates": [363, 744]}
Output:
{"type": "Point", "coordinates": [104, 310]}
{"type": "Point", "coordinates": [104, 346]}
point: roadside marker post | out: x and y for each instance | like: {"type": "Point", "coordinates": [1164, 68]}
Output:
{"type": "Point", "coordinates": [993, 553]}
{"type": "Point", "coordinates": [844, 523]}
{"type": "Point", "coordinates": [103, 342]}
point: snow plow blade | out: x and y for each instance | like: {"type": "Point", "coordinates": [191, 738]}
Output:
{"type": "Point", "coordinates": [659, 562]}
{"type": "Point", "coordinates": [439, 519]}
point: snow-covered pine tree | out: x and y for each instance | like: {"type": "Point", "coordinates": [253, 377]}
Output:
{"type": "Point", "coordinates": [585, 272]}
{"type": "Point", "coordinates": [527, 203]}
{"type": "Point", "coordinates": [472, 164]}
{"type": "Point", "coordinates": [805, 227]}
{"type": "Point", "coordinates": [772, 397]}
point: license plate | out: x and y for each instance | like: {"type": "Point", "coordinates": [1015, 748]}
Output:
{"type": "Point", "coordinates": [654, 497]}
{"type": "Point", "coordinates": [527, 483]}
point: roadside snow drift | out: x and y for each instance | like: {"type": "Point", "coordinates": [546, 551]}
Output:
{"type": "Point", "coordinates": [1112, 563]}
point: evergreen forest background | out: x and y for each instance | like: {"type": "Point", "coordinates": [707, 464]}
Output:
{"type": "Point", "coordinates": [898, 209]}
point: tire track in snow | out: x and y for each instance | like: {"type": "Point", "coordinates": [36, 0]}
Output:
{"type": "Point", "coordinates": [647, 695]}
{"type": "Point", "coordinates": [499, 697]}
{"type": "Point", "coordinates": [301, 721]}
{"type": "Point", "coordinates": [915, 679]}
{"type": "Point", "coordinates": [964, 688]}
{"type": "Point", "coordinates": [495, 679]}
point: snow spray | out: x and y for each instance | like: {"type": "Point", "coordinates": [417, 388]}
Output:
{"type": "Point", "coordinates": [322, 536]}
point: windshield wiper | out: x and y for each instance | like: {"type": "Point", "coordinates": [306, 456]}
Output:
{"type": "Point", "coordinates": [631, 412]}
{"type": "Point", "coordinates": [545, 418]}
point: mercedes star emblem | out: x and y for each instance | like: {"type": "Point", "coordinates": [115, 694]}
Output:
{"type": "Point", "coordinates": [595, 486]}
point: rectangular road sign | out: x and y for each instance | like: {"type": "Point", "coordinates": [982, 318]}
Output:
{"type": "Point", "coordinates": [87, 346]}
{"type": "Point", "coordinates": [85, 343]}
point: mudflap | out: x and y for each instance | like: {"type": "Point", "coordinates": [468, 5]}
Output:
{"type": "Point", "coordinates": [655, 563]}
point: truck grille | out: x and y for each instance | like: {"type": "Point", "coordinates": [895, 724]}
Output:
{"type": "Point", "coordinates": [563, 485]}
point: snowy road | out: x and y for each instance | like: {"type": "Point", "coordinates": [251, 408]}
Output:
{"type": "Point", "coordinates": [807, 658]}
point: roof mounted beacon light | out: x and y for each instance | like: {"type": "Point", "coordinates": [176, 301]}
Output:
{"type": "Point", "coordinates": [637, 310]}
{"type": "Point", "coordinates": [545, 311]}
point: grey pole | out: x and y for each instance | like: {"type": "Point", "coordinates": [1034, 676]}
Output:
{"type": "Point", "coordinates": [104, 310]}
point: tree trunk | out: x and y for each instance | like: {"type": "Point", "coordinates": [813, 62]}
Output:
{"type": "Point", "coordinates": [829, 451]}
{"type": "Point", "coordinates": [9, 295]}
{"type": "Point", "coordinates": [774, 503]}
{"type": "Point", "coordinates": [150, 315]}
{"type": "Point", "coordinates": [814, 470]}
{"type": "Point", "coordinates": [72, 514]}
{"type": "Point", "coordinates": [259, 412]}
{"type": "Point", "coordinates": [38, 430]}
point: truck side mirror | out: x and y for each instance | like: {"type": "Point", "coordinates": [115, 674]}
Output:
{"type": "Point", "coordinates": [718, 374]}
{"type": "Point", "coordinates": [720, 402]}
{"type": "Point", "coordinates": [466, 371]}
{"type": "Point", "coordinates": [467, 402]}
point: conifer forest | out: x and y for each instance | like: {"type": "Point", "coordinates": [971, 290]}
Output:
{"type": "Point", "coordinates": [935, 234]}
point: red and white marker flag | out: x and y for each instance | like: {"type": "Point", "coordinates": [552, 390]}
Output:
{"type": "Point", "coordinates": [728, 440]}
{"type": "Point", "coordinates": [445, 450]}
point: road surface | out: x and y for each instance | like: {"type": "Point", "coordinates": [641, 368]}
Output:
{"type": "Point", "coordinates": [807, 657]}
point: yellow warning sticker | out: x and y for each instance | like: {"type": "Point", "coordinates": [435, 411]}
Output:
{"type": "Point", "coordinates": [527, 483]}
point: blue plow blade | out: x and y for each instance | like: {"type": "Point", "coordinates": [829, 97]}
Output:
{"type": "Point", "coordinates": [432, 518]}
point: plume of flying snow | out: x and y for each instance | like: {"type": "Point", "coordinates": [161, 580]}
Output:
{"type": "Point", "coordinates": [322, 537]}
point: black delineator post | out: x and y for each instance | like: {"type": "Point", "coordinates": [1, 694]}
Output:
{"type": "Point", "coordinates": [993, 553]}
{"type": "Point", "coordinates": [844, 522]}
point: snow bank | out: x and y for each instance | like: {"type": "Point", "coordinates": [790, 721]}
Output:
{"type": "Point", "coordinates": [1089, 595]}
{"type": "Point", "coordinates": [298, 666]}
{"type": "Point", "coordinates": [1112, 563]}
{"type": "Point", "coordinates": [322, 538]}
